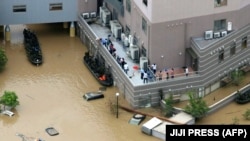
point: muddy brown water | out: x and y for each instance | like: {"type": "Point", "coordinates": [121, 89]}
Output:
{"type": "Point", "coordinates": [50, 95]}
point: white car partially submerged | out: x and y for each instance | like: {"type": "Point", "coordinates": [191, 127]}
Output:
{"type": "Point", "coordinates": [8, 113]}
{"type": "Point", "coordinates": [93, 95]}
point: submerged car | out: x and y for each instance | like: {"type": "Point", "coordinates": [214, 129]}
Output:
{"type": "Point", "coordinates": [51, 131]}
{"type": "Point", "coordinates": [137, 119]}
{"type": "Point", "coordinates": [93, 95]}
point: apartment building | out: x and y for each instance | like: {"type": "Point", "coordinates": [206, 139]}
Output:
{"type": "Point", "coordinates": [164, 29]}
{"type": "Point", "coordinates": [210, 36]}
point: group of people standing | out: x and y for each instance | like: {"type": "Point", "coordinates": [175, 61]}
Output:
{"type": "Point", "coordinates": [162, 74]}
{"type": "Point", "coordinates": [123, 64]}
{"type": "Point", "coordinates": [169, 73]}
{"type": "Point", "coordinates": [109, 45]}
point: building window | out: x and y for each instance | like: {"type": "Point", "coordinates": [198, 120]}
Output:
{"type": "Point", "coordinates": [143, 51]}
{"type": "Point", "coordinates": [55, 6]}
{"type": "Point", "coordinates": [219, 3]}
{"type": "Point", "coordinates": [232, 49]}
{"type": "Point", "coordinates": [220, 25]}
{"type": "Point", "coordinates": [144, 25]}
{"type": "Point", "coordinates": [128, 5]}
{"type": "Point", "coordinates": [145, 2]}
{"type": "Point", "coordinates": [221, 55]}
{"type": "Point", "coordinates": [244, 43]}
{"type": "Point", "coordinates": [19, 8]}
{"type": "Point", "coordinates": [127, 30]}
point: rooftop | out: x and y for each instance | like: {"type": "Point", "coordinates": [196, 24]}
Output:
{"type": "Point", "coordinates": [203, 43]}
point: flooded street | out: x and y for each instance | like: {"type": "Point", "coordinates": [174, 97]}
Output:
{"type": "Point", "coordinates": [50, 95]}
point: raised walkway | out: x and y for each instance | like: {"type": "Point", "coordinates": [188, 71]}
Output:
{"type": "Point", "coordinates": [134, 67]}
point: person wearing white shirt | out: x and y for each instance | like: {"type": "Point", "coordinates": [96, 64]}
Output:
{"type": "Point", "coordinates": [145, 77]}
{"type": "Point", "coordinates": [126, 68]}
{"type": "Point", "coordinates": [186, 71]}
{"type": "Point", "coordinates": [154, 67]}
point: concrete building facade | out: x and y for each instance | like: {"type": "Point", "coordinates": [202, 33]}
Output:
{"type": "Point", "coordinates": [174, 34]}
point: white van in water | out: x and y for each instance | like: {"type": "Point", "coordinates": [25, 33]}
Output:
{"type": "Point", "coordinates": [148, 126]}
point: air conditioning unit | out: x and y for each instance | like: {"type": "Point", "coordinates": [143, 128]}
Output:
{"type": "Point", "coordinates": [208, 35]}
{"type": "Point", "coordinates": [93, 15]}
{"type": "Point", "coordinates": [106, 16]}
{"type": "Point", "coordinates": [223, 33]}
{"type": "Point", "coordinates": [123, 36]}
{"type": "Point", "coordinates": [126, 42]}
{"type": "Point", "coordinates": [112, 23]}
{"type": "Point", "coordinates": [134, 52]}
{"type": "Point", "coordinates": [229, 26]}
{"type": "Point", "coordinates": [100, 11]}
{"type": "Point", "coordinates": [216, 34]}
{"type": "Point", "coordinates": [130, 39]}
{"type": "Point", "coordinates": [85, 15]}
{"type": "Point", "coordinates": [117, 31]}
{"type": "Point", "coordinates": [144, 63]}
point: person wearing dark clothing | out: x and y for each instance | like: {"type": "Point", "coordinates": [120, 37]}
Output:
{"type": "Point", "coordinates": [167, 77]}
{"type": "Point", "coordinates": [142, 73]}
{"type": "Point", "coordinates": [122, 63]}
{"type": "Point", "coordinates": [172, 73]}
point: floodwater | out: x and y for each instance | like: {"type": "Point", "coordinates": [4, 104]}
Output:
{"type": "Point", "coordinates": [50, 95]}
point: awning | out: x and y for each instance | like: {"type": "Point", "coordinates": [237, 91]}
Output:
{"type": "Point", "coordinates": [192, 53]}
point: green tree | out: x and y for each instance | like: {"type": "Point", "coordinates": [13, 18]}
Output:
{"type": "Point", "coordinates": [196, 107]}
{"type": "Point", "coordinates": [237, 76]}
{"type": "Point", "coordinates": [10, 99]}
{"type": "Point", "coordinates": [246, 115]}
{"type": "Point", "coordinates": [3, 59]}
{"type": "Point", "coordinates": [169, 108]}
